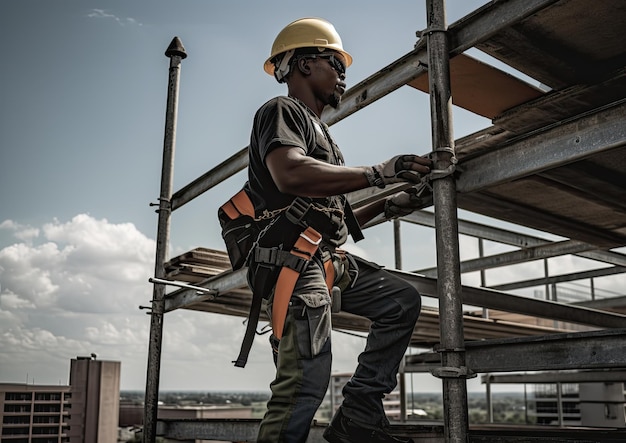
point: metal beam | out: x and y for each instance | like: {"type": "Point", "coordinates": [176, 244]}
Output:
{"type": "Point", "coordinates": [240, 430]}
{"type": "Point", "coordinates": [478, 230]}
{"type": "Point", "coordinates": [558, 377]}
{"type": "Point", "coordinates": [215, 176]}
{"type": "Point", "coordinates": [584, 350]}
{"type": "Point", "coordinates": [427, 286]}
{"type": "Point", "coordinates": [529, 216]}
{"type": "Point", "coordinates": [209, 429]}
{"type": "Point", "coordinates": [521, 305]}
{"type": "Point", "coordinates": [560, 278]}
{"type": "Point", "coordinates": [604, 303]}
{"type": "Point", "coordinates": [514, 257]}
{"type": "Point", "coordinates": [550, 148]}
{"type": "Point", "coordinates": [581, 350]}
{"type": "Point", "coordinates": [221, 283]}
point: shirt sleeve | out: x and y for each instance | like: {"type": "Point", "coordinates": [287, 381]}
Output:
{"type": "Point", "coordinates": [281, 123]}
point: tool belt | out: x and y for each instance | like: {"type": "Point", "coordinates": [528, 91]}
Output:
{"type": "Point", "coordinates": [239, 228]}
{"type": "Point", "coordinates": [278, 268]}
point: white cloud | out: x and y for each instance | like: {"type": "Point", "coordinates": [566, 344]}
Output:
{"type": "Point", "coordinates": [21, 232]}
{"type": "Point", "coordinates": [76, 291]}
{"type": "Point", "coordinates": [103, 14]}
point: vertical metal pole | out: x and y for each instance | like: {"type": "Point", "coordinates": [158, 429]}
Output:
{"type": "Point", "coordinates": [397, 243]}
{"type": "Point", "coordinates": [453, 371]}
{"type": "Point", "coordinates": [483, 275]}
{"type": "Point", "coordinates": [397, 250]}
{"type": "Point", "coordinates": [176, 53]}
{"type": "Point", "coordinates": [592, 288]}
{"type": "Point", "coordinates": [402, 376]}
{"type": "Point", "coordinates": [546, 274]}
{"type": "Point", "coordinates": [559, 402]}
{"type": "Point", "coordinates": [525, 404]}
{"type": "Point", "coordinates": [489, 400]}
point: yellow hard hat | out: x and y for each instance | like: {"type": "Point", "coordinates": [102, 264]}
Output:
{"type": "Point", "coordinates": [309, 32]}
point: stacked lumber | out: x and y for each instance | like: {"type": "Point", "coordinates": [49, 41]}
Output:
{"type": "Point", "coordinates": [197, 265]}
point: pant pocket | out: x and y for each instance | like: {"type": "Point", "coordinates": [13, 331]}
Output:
{"type": "Point", "coordinates": [313, 326]}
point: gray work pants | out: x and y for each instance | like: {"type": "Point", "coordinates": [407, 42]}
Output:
{"type": "Point", "coordinates": [303, 355]}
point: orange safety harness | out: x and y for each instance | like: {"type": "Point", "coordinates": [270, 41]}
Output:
{"type": "Point", "coordinates": [277, 269]}
{"type": "Point", "coordinates": [240, 204]}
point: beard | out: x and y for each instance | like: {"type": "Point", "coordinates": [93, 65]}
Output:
{"type": "Point", "coordinates": [334, 100]}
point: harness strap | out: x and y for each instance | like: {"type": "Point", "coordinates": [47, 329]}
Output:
{"type": "Point", "coordinates": [239, 204]}
{"type": "Point", "coordinates": [263, 283]}
{"type": "Point", "coordinates": [329, 270]}
{"type": "Point", "coordinates": [279, 267]}
{"type": "Point", "coordinates": [305, 247]}
{"type": "Point", "coordinates": [288, 265]}
{"type": "Point", "coordinates": [352, 223]}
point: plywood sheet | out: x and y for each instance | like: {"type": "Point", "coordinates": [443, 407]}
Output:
{"type": "Point", "coordinates": [481, 88]}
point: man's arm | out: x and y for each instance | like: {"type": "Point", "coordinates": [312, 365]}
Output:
{"type": "Point", "coordinates": [295, 173]}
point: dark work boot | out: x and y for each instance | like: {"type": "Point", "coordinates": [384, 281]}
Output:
{"type": "Point", "coordinates": [345, 430]}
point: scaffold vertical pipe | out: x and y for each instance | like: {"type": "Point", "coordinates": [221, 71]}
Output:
{"type": "Point", "coordinates": [453, 368]}
{"type": "Point", "coordinates": [397, 243]}
{"type": "Point", "coordinates": [176, 53]}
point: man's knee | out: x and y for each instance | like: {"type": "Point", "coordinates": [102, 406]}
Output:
{"type": "Point", "coordinates": [411, 302]}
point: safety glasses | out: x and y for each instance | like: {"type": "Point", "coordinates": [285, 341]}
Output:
{"type": "Point", "coordinates": [334, 62]}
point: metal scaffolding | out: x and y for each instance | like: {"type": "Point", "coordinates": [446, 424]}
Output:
{"type": "Point", "coordinates": [554, 160]}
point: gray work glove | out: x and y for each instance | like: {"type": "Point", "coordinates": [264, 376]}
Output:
{"type": "Point", "coordinates": [403, 203]}
{"type": "Point", "coordinates": [401, 168]}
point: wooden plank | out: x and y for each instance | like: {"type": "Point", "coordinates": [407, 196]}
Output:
{"type": "Point", "coordinates": [481, 88]}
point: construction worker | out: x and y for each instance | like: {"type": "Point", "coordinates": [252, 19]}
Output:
{"type": "Point", "coordinates": [294, 158]}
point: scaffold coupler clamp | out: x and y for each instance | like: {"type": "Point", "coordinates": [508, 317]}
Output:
{"type": "Point", "coordinates": [164, 204]}
{"type": "Point", "coordinates": [452, 371]}
{"type": "Point", "coordinates": [436, 174]}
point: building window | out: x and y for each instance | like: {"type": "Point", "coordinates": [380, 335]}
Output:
{"type": "Point", "coordinates": [46, 430]}
{"type": "Point", "coordinates": [48, 396]}
{"type": "Point", "coordinates": [18, 396]}
{"type": "Point", "coordinates": [15, 431]}
{"type": "Point", "coordinates": [19, 420]}
{"type": "Point", "coordinates": [47, 408]}
{"type": "Point", "coordinates": [46, 419]}
{"type": "Point", "coordinates": [16, 408]}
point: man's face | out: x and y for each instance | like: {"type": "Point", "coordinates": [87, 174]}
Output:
{"type": "Point", "coordinates": [329, 75]}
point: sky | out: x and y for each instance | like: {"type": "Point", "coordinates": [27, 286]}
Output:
{"type": "Point", "coordinates": [83, 91]}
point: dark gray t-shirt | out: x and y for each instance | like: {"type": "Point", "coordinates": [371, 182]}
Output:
{"type": "Point", "coordinates": [285, 121]}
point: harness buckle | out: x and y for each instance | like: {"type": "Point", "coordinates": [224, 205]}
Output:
{"type": "Point", "coordinates": [296, 212]}
{"type": "Point", "coordinates": [315, 242]}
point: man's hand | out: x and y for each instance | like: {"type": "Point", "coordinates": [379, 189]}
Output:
{"type": "Point", "coordinates": [401, 168]}
{"type": "Point", "coordinates": [403, 203]}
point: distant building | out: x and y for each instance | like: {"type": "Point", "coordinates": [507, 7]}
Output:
{"type": "Point", "coordinates": [578, 404]}
{"type": "Point", "coordinates": [95, 388]}
{"type": "Point", "coordinates": [34, 413]}
{"type": "Point", "coordinates": [86, 411]}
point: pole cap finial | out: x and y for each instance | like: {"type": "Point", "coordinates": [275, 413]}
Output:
{"type": "Point", "coordinates": [176, 48]}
